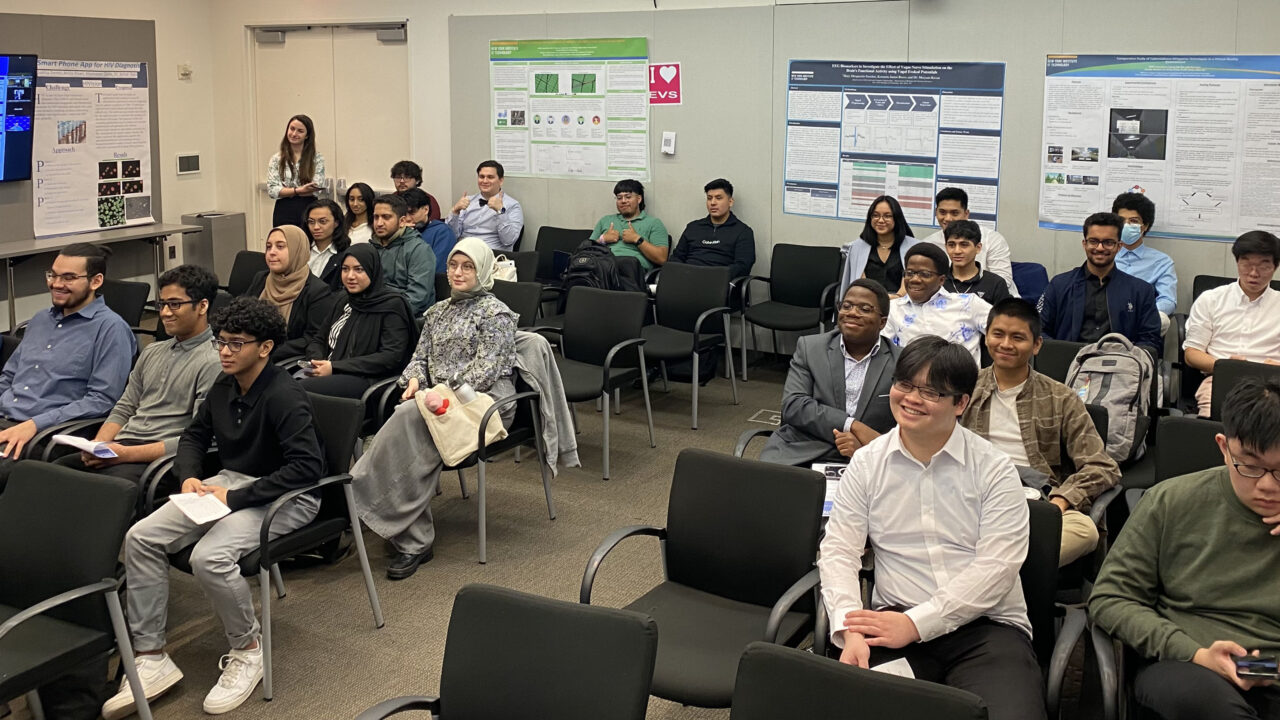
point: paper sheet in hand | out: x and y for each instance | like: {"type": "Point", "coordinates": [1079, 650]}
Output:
{"type": "Point", "coordinates": [832, 472]}
{"type": "Point", "coordinates": [97, 449]}
{"type": "Point", "coordinates": [200, 509]}
{"type": "Point", "coordinates": [899, 667]}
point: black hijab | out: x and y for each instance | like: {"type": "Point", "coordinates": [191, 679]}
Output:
{"type": "Point", "coordinates": [377, 298]}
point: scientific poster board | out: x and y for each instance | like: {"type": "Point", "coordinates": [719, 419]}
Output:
{"type": "Point", "coordinates": [92, 155]}
{"type": "Point", "coordinates": [858, 130]}
{"type": "Point", "coordinates": [1198, 134]}
{"type": "Point", "coordinates": [571, 108]}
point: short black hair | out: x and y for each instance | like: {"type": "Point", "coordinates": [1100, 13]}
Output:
{"type": "Point", "coordinates": [1254, 242]}
{"type": "Point", "coordinates": [397, 203]}
{"type": "Point", "coordinates": [252, 316]}
{"type": "Point", "coordinates": [1104, 219]}
{"type": "Point", "coordinates": [952, 193]}
{"type": "Point", "coordinates": [630, 186]}
{"type": "Point", "coordinates": [939, 256]}
{"type": "Point", "coordinates": [198, 282]}
{"type": "Point", "coordinates": [409, 169]}
{"type": "Point", "coordinates": [952, 370]}
{"type": "Point", "coordinates": [882, 295]}
{"type": "Point", "coordinates": [95, 257]}
{"type": "Point", "coordinates": [1137, 202]}
{"type": "Point", "coordinates": [415, 199]}
{"type": "Point", "coordinates": [1019, 309]}
{"type": "Point", "coordinates": [1251, 414]}
{"type": "Point", "coordinates": [963, 230]}
{"type": "Point", "coordinates": [719, 184]}
{"type": "Point", "coordinates": [497, 167]}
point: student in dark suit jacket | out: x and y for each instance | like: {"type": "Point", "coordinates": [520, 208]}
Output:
{"type": "Point", "coordinates": [836, 397]}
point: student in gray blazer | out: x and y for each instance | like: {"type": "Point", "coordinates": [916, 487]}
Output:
{"type": "Point", "coordinates": [836, 397]}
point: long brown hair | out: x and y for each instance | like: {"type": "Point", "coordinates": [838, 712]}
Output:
{"type": "Point", "coordinates": [305, 168]}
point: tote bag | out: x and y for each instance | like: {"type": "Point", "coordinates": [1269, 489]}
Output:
{"type": "Point", "coordinates": [456, 432]}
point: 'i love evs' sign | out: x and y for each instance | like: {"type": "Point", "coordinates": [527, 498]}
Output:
{"type": "Point", "coordinates": [664, 84]}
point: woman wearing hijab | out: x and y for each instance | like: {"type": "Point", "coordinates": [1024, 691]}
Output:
{"type": "Point", "coordinates": [302, 298]}
{"type": "Point", "coordinates": [369, 331]}
{"type": "Point", "coordinates": [469, 338]}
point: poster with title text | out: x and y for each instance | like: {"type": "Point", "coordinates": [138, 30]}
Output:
{"type": "Point", "coordinates": [859, 130]}
{"type": "Point", "coordinates": [576, 108]}
{"type": "Point", "coordinates": [1198, 134]}
{"type": "Point", "coordinates": [92, 156]}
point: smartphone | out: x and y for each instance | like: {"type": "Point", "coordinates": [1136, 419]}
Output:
{"type": "Point", "coordinates": [1258, 666]}
{"type": "Point", "coordinates": [306, 364]}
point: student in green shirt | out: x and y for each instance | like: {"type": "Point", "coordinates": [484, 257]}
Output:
{"type": "Point", "coordinates": [1192, 583]}
{"type": "Point", "coordinates": [630, 232]}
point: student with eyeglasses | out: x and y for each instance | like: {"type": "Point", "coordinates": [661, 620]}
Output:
{"type": "Point", "coordinates": [944, 512]}
{"type": "Point", "coordinates": [631, 232]}
{"type": "Point", "coordinates": [928, 309]}
{"type": "Point", "coordinates": [1097, 298]}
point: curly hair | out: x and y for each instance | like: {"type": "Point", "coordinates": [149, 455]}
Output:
{"type": "Point", "coordinates": [251, 316]}
{"type": "Point", "coordinates": [199, 282]}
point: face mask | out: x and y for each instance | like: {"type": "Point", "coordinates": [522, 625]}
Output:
{"type": "Point", "coordinates": [1130, 234]}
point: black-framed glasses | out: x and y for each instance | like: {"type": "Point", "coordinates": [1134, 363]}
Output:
{"type": "Point", "coordinates": [927, 393]}
{"type": "Point", "coordinates": [922, 274]}
{"type": "Point", "coordinates": [174, 305]}
{"type": "Point", "coordinates": [64, 277]}
{"type": "Point", "coordinates": [1253, 472]}
{"type": "Point", "coordinates": [859, 308]}
{"type": "Point", "coordinates": [234, 346]}
{"type": "Point", "coordinates": [1108, 244]}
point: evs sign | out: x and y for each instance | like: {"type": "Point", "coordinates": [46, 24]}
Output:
{"type": "Point", "coordinates": [664, 84]}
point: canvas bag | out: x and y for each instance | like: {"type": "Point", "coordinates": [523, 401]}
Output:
{"type": "Point", "coordinates": [504, 269]}
{"type": "Point", "coordinates": [456, 432]}
{"type": "Point", "coordinates": [1117, 375]}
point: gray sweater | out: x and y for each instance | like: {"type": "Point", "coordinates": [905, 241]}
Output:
{"type": "Point", "coordinates": [165, 388]}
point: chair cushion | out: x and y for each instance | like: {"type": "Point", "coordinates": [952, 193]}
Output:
{"type": "Point", "coordinates": [664, 343]}
{"type": "Point", "coordinates": [781, 316]}
{"type": "Point", "coordinates": [582, 380]}
{"type": "Point", "coordinates": [701, 637]}
{"type": "Point", "coordinates": [43, 648]}
{"type": "Point", "coordinates": [282, 548]}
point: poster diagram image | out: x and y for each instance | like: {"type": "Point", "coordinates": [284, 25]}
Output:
{"type": "Point", "coordinates": [1082, 179]}
{"type": "Point", "coordinates": [1055, 179]}
{"type": "Point", "coordinates": [1200, 205]}
{"type": "Point", "coordinates": [584, 83]}
{"type": "Point", "coordinates": [546, 83]}
{"type": "Point", "coordinates": [110, 211]}
{"type": "Point", "coordinates": [131, 169]}
{"type": "Point", "coordinates": [1083, 154]}
{"type": "Point", "coordinates": [131, 187]}
{"type": "Point", "coordinates": [108, 170]}
{"type": "Point", "coordinates": [108, 188]}
{"type": "Point", "coordinates": [517, 118]}
{"type": "Point", "coordinates": [1138, 134]}
{"type": "Point", "coordinates": [136, 208]}
{"type": "Point", "coordinates": [1054, 154]}
{"type": "Point", "coordinates": [72, 132]}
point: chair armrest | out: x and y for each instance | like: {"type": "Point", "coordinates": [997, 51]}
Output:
{"type": "Point", "coordinates": [652, 275]}
{"type": "Point", "coordinates": [44, 437]}
{"type": "Point", "coordinates": [744, 290]}
{"type": "Point", "coordinates": [105, 585]}
{"type": "Point", "coordinates": [377, 396]}
{"type": "Point", "coordinates": [497, 405]}
{"type": "Point", "coordinates": [395, 706]}
{"type": "Point", "coordinates": [545, 328]}
{"type": "Point", "coordinates": [617, 536]}
{"type": "Point", "coordinates": [1098, 511]}
{"type": "Point", "coordinates": [289, 361]}
{"type": "Point", "coordinates": [821, 627]}
{"type": "Point", "coordinates": [697, 324]}
{"type": "Point", "coordinates": [789, 598]}
{"type": "Point", "coordinates": [746, 437]}
{"type": "Point", "coordinates": [1074, 624]}
{"type": "Point", "coordinates": [613, 351]}
{"type": "Point", "coordinates": [264, 537]}
{"type": "Point", "coordinates": [1110, 661]}
{"type": "Point", "coordinates": [377, 387]}
{"type": "Point", "coordinates": [151, 479]}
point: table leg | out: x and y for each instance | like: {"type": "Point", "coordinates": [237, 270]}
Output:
{"type": "Point", "coordinates": [8, 278]}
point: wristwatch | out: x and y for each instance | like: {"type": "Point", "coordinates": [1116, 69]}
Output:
{"type": "Point", "coordinates": [639, 240]}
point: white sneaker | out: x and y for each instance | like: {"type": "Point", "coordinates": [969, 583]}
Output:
{"type": "Point", "coordinates": [241, 671]}
{"type": "Point", "coordinates": [157, 673]}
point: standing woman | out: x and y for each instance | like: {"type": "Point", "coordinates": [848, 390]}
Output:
{"type": "Point", "coordinates": [328, 235]}
{"type": "Point", "coordinates": [288, 285]}
{"type": "Point", "coordinates": [359, 211]}
{"type": "Point", "coordinates": [879, 253]}
{"type": "Point", "coordinates": [295, 173]}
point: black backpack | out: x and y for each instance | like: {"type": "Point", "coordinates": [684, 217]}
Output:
{"type": "Point", "coordinates": [591, 265]}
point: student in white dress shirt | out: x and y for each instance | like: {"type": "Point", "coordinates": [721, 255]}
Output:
{"type": "Point", "coordinates": [491, 215]}
{"type": "Point", "coordinates": [1240, 321]}
{"type": "Point", "coordinates": [328, 239]}
{"type": "Point", "coordinates": [951, 204]}
{"type": "Point", "coordinates": [927, 309]}
{"type": "Point", "coordinates": [945, 514]}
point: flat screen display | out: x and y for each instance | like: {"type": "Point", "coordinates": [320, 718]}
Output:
{"type": "Point", "coordinates": [17, 108]}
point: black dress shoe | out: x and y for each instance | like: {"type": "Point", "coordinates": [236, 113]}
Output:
{"type": "Point", "coordinates": [406, 564]}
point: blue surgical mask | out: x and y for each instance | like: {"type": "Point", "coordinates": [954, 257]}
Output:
{"type": "Point", "coordinates": [1131, 233]}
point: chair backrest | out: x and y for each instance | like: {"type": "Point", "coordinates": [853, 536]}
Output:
{"type": "Point", "coordinates": [595, 320]}
{"type": "Point", "coordinates": [799, 273]}
{"type": "Point", "coordinates": [1185, 445]}
{"type": "Point", "coordinates": [573, 661]}
{"type": "Point", "coordinates": [522, 297]}
{"type": "Point", "coordinates": [61, 529]}
{"type": "Point", "coordinates": [1039, 575]}
{"type": "Point", "coordinates": [526, 264]}
{"type": "Point", "coordinates": [1228, 373]}
{"type": "Point", "coordinates": [338, 421]}
{"type": "Point", "coordinates": [247, 264]}
{"type": "Point", "coordinates": [126, 298]}
{"type": "Point", "coordinates": [1055, 356]}
{"type": "Point", "coordinates": [1031, 278]}
{"type": "Point", "coordinates": [687, 291]}
{"type": "Point", "coordinates": [442, 286]}
{"type": "Point", "coordinates": [551, 239]}
{"type": "Point", "coordinates": [742, 529]}
{"type": "Point", "coordinates": [8, 343]}
{"type": "Point", "coordinates": [1202, 283]}
{"type": "Point", "coordinates": [779, 682]}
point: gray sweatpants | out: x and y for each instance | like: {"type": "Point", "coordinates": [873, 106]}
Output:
{"type": "Point", "coordinates": [218, 548]}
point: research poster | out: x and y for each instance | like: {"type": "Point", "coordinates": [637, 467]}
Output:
{"type": "Point", "coordinates": [1198, 134]}
{"type": "Point", "coordinates": [571, 108]}
{"type": "Point", "coordinates": [858, 130]}
{"type": "Point", "coordinates": [92, 156]}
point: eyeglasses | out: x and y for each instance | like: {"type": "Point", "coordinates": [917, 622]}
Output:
{"type": "Point", "coordinates": [462, 267]}
{"type": "Point", "coordinates": [174, 305]}
{"type": "Point", "coordinates": [234, 346]}
{"type": "Point", "coordinates": [626, 196]}
{"type": "Point", "coordinates": [882, 216]}
{"type": "Point", "coordinates": [927, 394]}
{"type": "Point", "coordinates": [858, 308]}
{"type": "Point", "coordinates": [64, 277]}
{"type": "Point", "coordinates": [1253, 472]}
{"type": "Point", "coordinates": [1245, 267]}
{"type": "Point", "coordinates": [922, 274]}
{"type": "Point", "coordinates": [1108, 244]}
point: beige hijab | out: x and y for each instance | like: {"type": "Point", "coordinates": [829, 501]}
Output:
{"type": "Point", "coordinates": [282, 290]}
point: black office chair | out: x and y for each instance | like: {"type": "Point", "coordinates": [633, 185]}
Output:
{"type": "Point", "coordinates": [688, 300]}
{"type": "Point", "coordinates": [128, 299]}
{"type": "Point", "coordinates": [522, 297]}
{"type": "Point", "coordinates": [738, 550]}
{"type": "Point", "coordinates": [778, 682]}
{"type": "Point", "coordinates": [1031, 278]}
{"type": "Point", "coordinates": [802, 285]}
{"type": "Point", "coordinates": [443, 288]}
{"type": "Point", "coordinates": [526, 264]}
{"type": "Point", "coordinates": [1055, 358]}
{"type": "Point", "coordinates": [60, 536]}
{"type": "Point", "coordinates": [247, 264]}
{"type": "Point", "coordinates": [8, 344]}
{"type": "Point", "coordinates": [1228, 373]}
{"type": "Point", "coordinates": [572, 662]}
{"type": "Point", "coordinates": [550, 240]}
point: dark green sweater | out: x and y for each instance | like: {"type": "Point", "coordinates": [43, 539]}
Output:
{"type": "Point", "coordinates": [1192, 566]}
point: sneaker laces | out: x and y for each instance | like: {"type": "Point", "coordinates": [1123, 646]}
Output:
{"type": "Point", "coordinates": [231, 665]}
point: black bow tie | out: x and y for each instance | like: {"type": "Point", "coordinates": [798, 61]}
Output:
{"type": "Point", "coordinates": [483, 202]}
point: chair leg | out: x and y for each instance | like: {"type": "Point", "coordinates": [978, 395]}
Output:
{"type": "Point", "coordinates": [648, 409]}
{"type": "Point", "coordinates": [774, 334]}
{"type": "Point", "coordinates": [542, 466]}
{"type": "Point", "coordinates": [694, 384]}
{"type": "Point", "coordinates": [278, 580]}
{"type": "Point", "coordinates": [573, 413]}
{"type": "Point", "coordinates": [125, 646]}
{"type": "Point", "coordinates": [743, 340]}
{"type": "Point", "coordinates": [605, 398]}
{"type": "Point", "coordinates": [462, 484]}
{"type": "Point", "coordinates": [480, 512]}
{"type": "Point", "coordinates": [358, 537]}
{"type": "Point", "coordinates": [34, 706]}
{"type": "Point", "coordinates": [728, 359]}
{"type": "Point", "coordinates": [264, 584]}
{"type": "Point", "coordinates": [517, 453]}
{"type": "Point", "coordinates": [617, 401]}
{"type": "Point", "coordinates": [666, 385]}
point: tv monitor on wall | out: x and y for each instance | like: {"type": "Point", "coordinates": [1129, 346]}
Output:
{"type": "Point", "coordinates": [17, 109]}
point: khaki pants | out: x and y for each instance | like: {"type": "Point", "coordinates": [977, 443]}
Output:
{"type": "Point", "coordinates": [1204, 396]}
{"type": "Point", "coordinates": [1079, 537]}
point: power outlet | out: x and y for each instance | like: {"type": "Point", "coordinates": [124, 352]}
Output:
{"type": "Point", "coordinates": [173, 253]}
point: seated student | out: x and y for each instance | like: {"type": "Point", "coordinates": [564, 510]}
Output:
{"type": "Point", "coordinates": [964, 244]}
{"type": "Point", "coordinates": [302, 299]}
{"type": "Point", "coordinates": [880, 251]}
{"type": "Point", "coordinates": [359, 212]}
{"type": "Point", "coordinates": [328, 235]}
{"type": "Point", "coordinates": [951, 204]}
{"type": "Point", "coordinates": [1031, 417]}
{"type": "Point", "coordinates": [406, 175]}
{"type": "Point", "coordinates": [825, 419]}
{"type": "Point", "coordinates": [470, 338]}
{"type": "Point", "coordinates": [408, 265]}
{"type": "Point", "coordinates": [435, 233]}
{"type": "Point", "coordinates": [927, 309]}
{"type": "Point", "coordinates": [368, 332]}
{"type": "Point", "coordinates": [630, 232]}
{"type": "Point", "coordinates": [262, 423]}
{"type": "Point", "coordinates": [74, 358]}
{"type": "Point", "coordinates": [1191, 583]}
{"type": "Point", "coordinates": [1141, 260]}
{"type": "Point", "coordinates": [1097, 298]}
{"type": "Point", "coordinates": [944, 512]}
{"type": "Point", "coordinates": [490, 215]}
{"type": "Point", "coordinates": [167, 384]}
{"type": "Point", "coordinates": [1240, 321]}
{"type": "Point", "coordinates": [720, 238]}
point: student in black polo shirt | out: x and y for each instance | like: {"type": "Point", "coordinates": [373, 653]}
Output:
{"type": "Point", "coordinates": [720, 238]}
{"type": "Point", "coordinates": [963, 243]}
